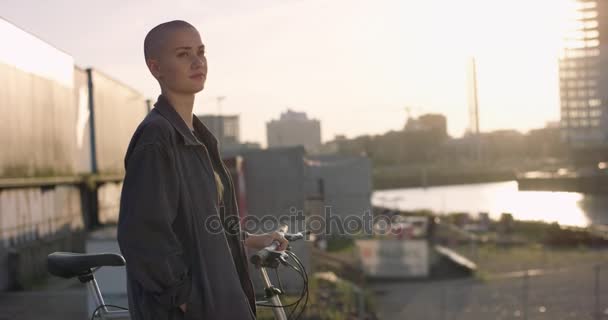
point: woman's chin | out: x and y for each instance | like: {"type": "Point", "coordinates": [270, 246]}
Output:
{"type": "Point", "coordinates": [193, 90]}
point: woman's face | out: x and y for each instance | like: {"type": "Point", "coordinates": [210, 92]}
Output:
{"type": "Point", "coordinates": [182, 65]}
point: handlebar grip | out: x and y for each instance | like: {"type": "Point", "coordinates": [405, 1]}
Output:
{"type": "Point", "coordinates": [295, 236]}
{"type": "Point", "coordinates": [258, 257]}
{"type": "Point", "coordinates": [262, 255]}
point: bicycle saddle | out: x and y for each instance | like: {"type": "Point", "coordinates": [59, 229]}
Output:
{"type": "Point", "coordinates": [69, 264]}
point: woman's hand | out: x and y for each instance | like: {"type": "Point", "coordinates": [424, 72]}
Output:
{"type": "Point", "coordinates": [261, 241]}
{"type": "Point", "coordinates": [183, 307]}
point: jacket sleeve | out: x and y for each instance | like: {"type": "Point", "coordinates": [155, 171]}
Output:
{"type": "Point", "coordinates": [148, 207]}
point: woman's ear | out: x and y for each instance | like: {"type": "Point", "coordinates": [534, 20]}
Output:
{"type": "Point", "coordinates": [154, 68]}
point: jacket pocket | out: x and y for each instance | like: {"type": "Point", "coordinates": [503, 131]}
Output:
{"type": "Point", "coordinates": [193, 306]}
{"type": "Point", "coordinates": [194, 311]}
{"type": "Point", "coordinates": [152, 310]}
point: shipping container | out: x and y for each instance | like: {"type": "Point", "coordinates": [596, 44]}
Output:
{"type": "Point", "coordinates": [117, 109]}
{"type": "Point", "coordinates": [82, 157]}
{"type": "Point", "coordinates": [274, 180]}
{"type": "Point", "coordinates": [236, 168]}
{"type": "Point", "coordinates": [343, 182]}
{"type": "Point", "coordinates": [36, 103]}
{"type": "Point", "coordinates": [275, 188]}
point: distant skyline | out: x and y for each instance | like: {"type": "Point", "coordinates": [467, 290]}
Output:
{"type": "Point", "coordinates": [354, 65]}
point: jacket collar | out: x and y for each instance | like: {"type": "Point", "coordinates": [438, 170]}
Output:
{"type": "Point", "coordinates": [165, 108]}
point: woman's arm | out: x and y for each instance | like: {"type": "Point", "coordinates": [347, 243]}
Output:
{"type": "Point", "coordinates": [149, 203]}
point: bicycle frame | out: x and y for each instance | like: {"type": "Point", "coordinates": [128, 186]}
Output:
{"type": "Point", "coordinates": [277, 309]}
{"type": "Point", "coordinates": [103, 312]}
{"type": "Point", "coordinates": [266, 258]}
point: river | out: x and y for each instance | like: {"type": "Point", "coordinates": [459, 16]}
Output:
{"type": "Point", "coordinates": [566, 208]}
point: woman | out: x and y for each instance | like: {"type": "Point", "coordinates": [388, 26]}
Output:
{"type": "Point", "coordinates": [176, 193]}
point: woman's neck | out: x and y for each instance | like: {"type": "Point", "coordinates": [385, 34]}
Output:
{"type": "Point", "coordinates": [183, 104]}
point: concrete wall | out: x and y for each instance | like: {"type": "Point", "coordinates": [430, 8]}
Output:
{"type": "Point", "coordinates": [394, 259]}
{"type": "Point", "coordinates": [108, 200]}
{"type": "Point", "coordinates": [33, 220]}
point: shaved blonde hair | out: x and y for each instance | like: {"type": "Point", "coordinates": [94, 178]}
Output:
{"type": "Point", "coordinates": [157, 37]}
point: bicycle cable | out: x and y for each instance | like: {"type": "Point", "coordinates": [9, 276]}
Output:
{"type": "Point", "coordinates": [297, 303]}
{"type": "Point", "coordinates": [105, 305]}
{"type": "Point", "coordinates": [304, 293]}
{"type": "Point", "coordinates": [305, 278]}
{"type": "Point", "coordinates": [276, 274]}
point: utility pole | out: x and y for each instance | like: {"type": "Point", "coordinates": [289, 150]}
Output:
{"type": "Point", "coordinates": [219, 100]}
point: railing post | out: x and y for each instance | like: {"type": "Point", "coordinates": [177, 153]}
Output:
{"type": "Point", "coordinates": [525, 294]}
{"type": "Point", "coordinates": [596, 293]}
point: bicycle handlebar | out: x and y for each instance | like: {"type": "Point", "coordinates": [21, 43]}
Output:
{"type": "Point", "coordinates": [269, 252]}
{"type": "Point", "coordinates": [269, 257]}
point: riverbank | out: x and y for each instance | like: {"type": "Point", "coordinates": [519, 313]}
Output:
{"type": "Point", "coordinates": [461, 227]}
{"type": "Point", "coordinates": [594, 183]}
{"type": "Point", "coordinates": [415, 178]}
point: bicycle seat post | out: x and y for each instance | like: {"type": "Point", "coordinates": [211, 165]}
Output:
{"type": "Point", "coordinates": [82, 266]}
{"type": "Point", "coordinates": [93, 287]}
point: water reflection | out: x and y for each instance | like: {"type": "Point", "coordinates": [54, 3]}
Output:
{"type": "Point", "coordinates": [567, 208]}
{"type": "Point", "coordinates": [596, 208]}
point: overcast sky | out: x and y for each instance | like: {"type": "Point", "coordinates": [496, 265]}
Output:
{"type": "Point", "coordinates": [352, 64]}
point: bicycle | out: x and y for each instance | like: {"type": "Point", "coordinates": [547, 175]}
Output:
{"type": "Point", "coordinates": [83, 266]}
{"type": "Point", "coordinates": [270, 258]}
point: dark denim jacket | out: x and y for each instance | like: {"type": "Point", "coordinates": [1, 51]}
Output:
{"type": "Point", "coordinates": [168, 230]}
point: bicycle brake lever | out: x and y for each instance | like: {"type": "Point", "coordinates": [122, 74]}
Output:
{"type": "Point", "coordinates": [283, 259]}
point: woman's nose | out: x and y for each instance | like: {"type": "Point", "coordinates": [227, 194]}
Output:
{"type": "Point", "coordinates": [199, 62]}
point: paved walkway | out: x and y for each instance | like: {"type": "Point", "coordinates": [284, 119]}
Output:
{"type": "Point", "coordinates": [59, 299]}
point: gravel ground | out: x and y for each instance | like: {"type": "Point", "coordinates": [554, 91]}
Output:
{"type": "Point", "coordinates": [556, 294]}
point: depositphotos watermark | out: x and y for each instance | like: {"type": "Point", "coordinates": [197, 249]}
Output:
{"type": "Point", "coordinates": [325, 224]}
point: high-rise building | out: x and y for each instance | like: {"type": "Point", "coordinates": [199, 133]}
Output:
{"type": "Point", "coordinates": [293, 129]}
{"type": "Point", "coordinates": [472, 97]}
{"type": "Point", "coordinates": [226, 128]}
{"type": "Point", "coordinates": [582, 75]}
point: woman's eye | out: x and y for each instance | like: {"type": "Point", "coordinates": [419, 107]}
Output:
{"type": "Point", "coordinates": [183, 54]}
{"type": "Point", "coordinates": [201, 53]}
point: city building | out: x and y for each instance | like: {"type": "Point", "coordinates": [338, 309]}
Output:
{"type": "Point", "coordinates": [582, 77]}
{"type": "Point", "coordinates": [428, 122]}
{"type": "Point", "coordinates": [293, 129]}
{"type": "Point", "coordinates": [226, 128]}
{"type": "Point", "coordinates": [333, 146]}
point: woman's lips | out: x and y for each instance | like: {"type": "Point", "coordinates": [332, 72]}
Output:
{"type": "Point", "coordinates": [198, 76]}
